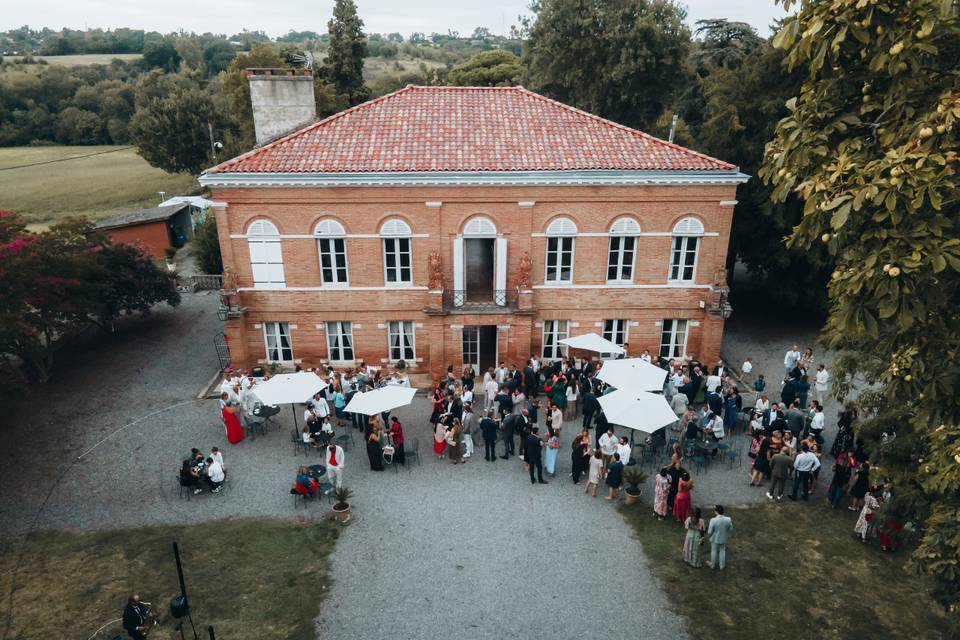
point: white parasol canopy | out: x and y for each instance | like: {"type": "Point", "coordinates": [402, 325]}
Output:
{"type": "Point", "coordinates": [633, 374]}
{"type": "Point", "coordinates": [592, 342]}
{"type": "Point", "coordinates": [289, 388]}
{"type": "Point", "coordinates": [378, 400]}
{"type": "Point", "coordinates": [638, 410]}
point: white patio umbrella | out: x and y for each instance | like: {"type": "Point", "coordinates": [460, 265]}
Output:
{"type": "Point", "coordinates": [379, 400]}
{"type": "Point", "coordinates": [637, 410]}
{"type": "Point", "coordinates": [290, 388]}
{"type": "Point", "coordinates": [592, 342]}
{"type": "Point", "coordinates": [632, 374]}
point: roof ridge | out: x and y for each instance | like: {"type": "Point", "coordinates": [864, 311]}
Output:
{"type": "Point", "coordinates": [331, 118]}
{"type": "Point", "coordinates": [623, 127]}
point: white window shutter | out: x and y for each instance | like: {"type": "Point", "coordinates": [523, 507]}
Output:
{"type": "Point", "coordinates": [458, 279]}
{"type": "Point", "coordinates": [500, 269]}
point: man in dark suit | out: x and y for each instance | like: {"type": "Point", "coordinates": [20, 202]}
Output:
{"type": "Point", "coordinates": [530, 380]}
{"type": "Point", "coordinates": [509, 426]}
{"type": "Point", "coordinates": [720, 369]}
{"type": "Point", "coordinates": [715, 401]}
{"type": "Point", "coordinates": [590, 406]}
{"type": "Point", "coordinates": [135, 618]}
{"type": "Point", "coordinates": [533, 455]}
{"type": "Point", "coordinates": [488, 427]}
{"type": "Point", "coordinates": [601, 428]}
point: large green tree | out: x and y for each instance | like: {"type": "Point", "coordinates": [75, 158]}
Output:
{"type": "Point", "coordinates": [347, 49]}
{"type": "Point", "coordinates": [621, 59]}
{"type": "Point", "coordinates": [171, 132]}
{"type": "Point", "coordinates": [870, 146]}
{"type": "Point", "coordinates": [744, 97]}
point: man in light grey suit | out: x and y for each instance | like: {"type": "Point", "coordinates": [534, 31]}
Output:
{"type": "Point", "coordinates": [719, 533]}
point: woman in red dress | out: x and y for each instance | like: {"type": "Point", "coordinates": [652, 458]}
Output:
{"type": "Point", "coordinates": [683, 503]}
{"type": "Point", "coordinates": [230, 421]}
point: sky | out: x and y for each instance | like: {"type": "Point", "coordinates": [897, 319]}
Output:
{"type": "Point", "coordinates": [277, 17]}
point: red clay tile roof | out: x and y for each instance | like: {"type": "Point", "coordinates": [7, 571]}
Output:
{"type": "Point", "coordinates": [466, 129]}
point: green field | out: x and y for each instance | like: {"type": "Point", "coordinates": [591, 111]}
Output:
{"type": "Point", "coordinates": [90, 58]}
{"type": "Point", "coordinates": [793, 571]}
{"type": "Point", "coordinates": [74, 182]}
{"type": "Point", "coordinates": [375, 69]}
{"type": "Point", "coordinates": [249, 578]}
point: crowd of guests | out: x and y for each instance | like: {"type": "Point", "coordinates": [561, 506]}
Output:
{"type": "Point", "coordinates": [522, 410]}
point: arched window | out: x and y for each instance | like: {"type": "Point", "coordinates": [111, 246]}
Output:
{"type": "Point", "coordinates": [480, 227]}
{"type": "Point", "coordinates": [683, 251]}
{"type": "Point", "coordinates": [332, 249]}
{"type": "Point", "coordinates": [266, 256]}
{"type": "Point", "coordinates": [397, 260]}
{"type": "Point", "coordinates": [622, 249]}
{"type": "Point", "coordinates": [560, 236]}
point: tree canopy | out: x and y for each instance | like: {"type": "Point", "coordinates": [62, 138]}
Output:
{"type": "Point", "coordinates": [487, 69]}
{"type": "Point", "coordinates": [870, 147]}
{"type": "Point", "coordinates": [605, 56]}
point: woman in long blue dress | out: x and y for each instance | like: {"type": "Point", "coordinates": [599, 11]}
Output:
{"type": "Point", "coordinates": [550, 458]}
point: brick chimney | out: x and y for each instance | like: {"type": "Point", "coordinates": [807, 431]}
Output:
{"type": "Point", "coordinates": [282, 101]}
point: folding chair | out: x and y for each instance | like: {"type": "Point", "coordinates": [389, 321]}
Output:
{"type": "Point", "coordinates": [412, 452]}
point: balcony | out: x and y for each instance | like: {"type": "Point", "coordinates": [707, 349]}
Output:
{"type": "Point", "coordinates": [459, 301]}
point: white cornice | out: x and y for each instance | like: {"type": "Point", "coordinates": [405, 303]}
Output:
{"type": "Point", "coordinates": [472, 179]}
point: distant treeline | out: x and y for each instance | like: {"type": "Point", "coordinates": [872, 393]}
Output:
{"type": "Point", "coordinates": [93, 104]}
{"type": "Point", "coordinates": [47, 42]}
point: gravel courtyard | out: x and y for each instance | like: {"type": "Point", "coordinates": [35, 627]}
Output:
{"type": "Point", "coordinates": [475, 548]}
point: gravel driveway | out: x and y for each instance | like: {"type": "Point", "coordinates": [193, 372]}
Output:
{"type": "Point", "coordinates": [472, 549]}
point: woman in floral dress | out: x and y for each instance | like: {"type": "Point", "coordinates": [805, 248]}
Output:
{"type": "Point", "coordinates": [661, 487]}
{"type": "Point", "coordinates": [695, 527]}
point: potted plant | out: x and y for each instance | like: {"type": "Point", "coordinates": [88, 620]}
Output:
{"type": "Point", "coordinates": [634, 478]}
{"type": "Point", "coordinates": [341, 506]}
{"type": "Point", "coordinates": [171, 252]}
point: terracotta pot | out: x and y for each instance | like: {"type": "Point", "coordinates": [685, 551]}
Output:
{"type": "Point", "coordinates": [342, 515]}
{"type": "Point", "coordinates": [630, 498]}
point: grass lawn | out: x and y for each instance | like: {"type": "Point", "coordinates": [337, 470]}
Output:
{"type": "Point", "coordinates": [249, 578]}
{"type": "Point", "coordinates": [89, 58]}
{"type": "Point", "coordinates": [793, 571]}
{"type": "Point", "coordinates": [82, 184]}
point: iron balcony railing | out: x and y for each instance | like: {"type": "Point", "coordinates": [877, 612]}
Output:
{"type": "Point", "coordinates": [463, 300]}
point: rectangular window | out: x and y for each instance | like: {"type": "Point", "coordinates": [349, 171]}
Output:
{"type": "Point", "coordinates": [673, 339]}
{"type": "Point", "coordinates": [266, 263]}
{"type": "Point", "coordinates": [340, 341]}
{"type": "Point", "coordinates": [396, 261]}
{"type": "Point", "coordinates": [276, 337]}
{"type": "Point", "coordinates": [553, 332]}
{"type": "Point", "coordinates": [683, 258]}
{"type": "Point", "coordinates": [559, 259]}
{"type": "Point", "coordinates": [470, 346]}
{"type": "Point", "coordinates": [333, 261]}
{"type": "Point", "coordinates": [400, 339]}
{"type": "Point", "coordinates": [615, 331]}
{"type": "Point", "coordinates": [620, 259]}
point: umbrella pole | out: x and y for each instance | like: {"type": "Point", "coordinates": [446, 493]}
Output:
{"type": "Point", "coordinates": [296, 427]}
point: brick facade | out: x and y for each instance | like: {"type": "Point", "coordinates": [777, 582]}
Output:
{"type": "Point", "coordinates": [436, 215]}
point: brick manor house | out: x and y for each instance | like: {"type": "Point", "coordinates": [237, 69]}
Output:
{"type": "Point", "coordinates": [446, 225]}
